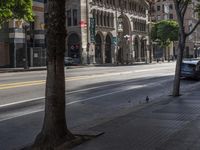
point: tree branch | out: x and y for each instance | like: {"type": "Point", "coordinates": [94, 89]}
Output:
{"type": "Point", "coordinates": [184, 8]}
{"type": "Point", "coordinates": [187, 34]}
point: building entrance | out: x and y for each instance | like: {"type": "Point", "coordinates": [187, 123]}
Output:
{"type": "Point", "coordinates": [98, 48]}
{"type": "Point", "coordinates": [108, 50]}
{"type": "Point", "coordinates": [74, 47]}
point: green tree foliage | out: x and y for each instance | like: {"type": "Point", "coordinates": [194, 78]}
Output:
{"type": "Point", "coordinates": [165, 31]}
{"type": "Point", "coordinates": [15, 9]}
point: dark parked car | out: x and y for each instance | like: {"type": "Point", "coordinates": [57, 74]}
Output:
{"type": "Point", "coordinates": [68, 61]}
{"type": "Point", "coordinates": [190, 69]}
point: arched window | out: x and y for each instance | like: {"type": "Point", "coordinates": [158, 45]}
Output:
{"type": "Point", "coordinates": [108, 19]}
{"type": "Point", "coordinates": [105, 19]}
{"type": "Point", "coordinates": [101, 18]}
{"type": "Point", "coordinates": [97, 19]}
{"type": "Point", "coordinates": [114, 4]}
{"type": "Point", "coordinates": [112, 20]}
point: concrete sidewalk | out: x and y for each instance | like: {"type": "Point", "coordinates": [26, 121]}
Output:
{"type": "Point", "coordinates": [168, 124]}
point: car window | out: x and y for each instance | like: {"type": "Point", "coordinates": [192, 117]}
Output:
{"type": "Point", "coordinates": [188, 67]}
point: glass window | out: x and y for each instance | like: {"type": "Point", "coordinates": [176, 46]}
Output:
{"type": "Point", "coordinates": [69, 18]}
{"type": "Point", "coordinates": [158, 8]}
{"type": "Point", "coordinates": [75, 18]}
{"type": "Point", "coordinates": [170, 6]}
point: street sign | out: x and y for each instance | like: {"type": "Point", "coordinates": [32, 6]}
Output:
{"type": "Point", "coordinates": [82, 24]}
{"type": "Point", "coordinates": [114, 40]}
{"type": "Point", "coordinates": [92, 30]}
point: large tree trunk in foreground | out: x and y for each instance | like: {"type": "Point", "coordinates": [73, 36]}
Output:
{"type": "Point", "coordinates": [181, 47]}
{"type": "Point", "coordinates": [54, 131]}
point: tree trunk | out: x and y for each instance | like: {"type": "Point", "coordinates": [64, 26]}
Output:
{"type": "Point", "coordinates": [54, 131]}
{"type": "Point", "coordinates": [181, 47]}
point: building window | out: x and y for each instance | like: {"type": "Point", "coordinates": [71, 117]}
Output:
{"type": "Point", "coordinates": [75, 21]}
{"type": "Point", "coordinates": [108, 20]}
{"type": "Point", "coordinates": [171, 16]}
{"type": "Point", "coordinates": [105, 20]}
{"type": "Point", "coordinates": [170, 6]}
{"type": "Point", "coordinates": [101, 19]}
{"type": "Point", "coordinates": [158, 8]}
{"type": "Point", "coordinates": [69, 18]}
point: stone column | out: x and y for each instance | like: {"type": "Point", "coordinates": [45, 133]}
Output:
{"type": "Point", "coordinates": [139, 50]}
{"type": "Point", "coordinates": [103, 46]}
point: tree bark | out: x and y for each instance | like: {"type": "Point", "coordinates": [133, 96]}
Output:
{"type": "Point", "coordinates": [181, 47]}
{"type": "Point", "coordinates": [54, 131]}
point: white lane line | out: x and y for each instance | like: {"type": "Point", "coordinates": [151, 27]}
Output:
{"type": "Point", "coordinates": [81, 90]}
{"type": "Point", "coordinates": [20, 102]}
{"type": "Point", "coordinates": [70, 103]}
{"type": "Point", "coordinates": [83, 100]}
{"type": "Point", "coordinates": [153, 69]}
{"type": "Point", "coordinates": [102, 95]}
{"type": "Point", "coordinates": [21, 114]}
{"type": "Point", "coordinates": [97, 87]}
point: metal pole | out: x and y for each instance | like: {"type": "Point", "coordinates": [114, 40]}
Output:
{"type": "Point", "coordinates": [26, 54]}
{"type": "Point", "coordinates": [14, 64]}
{"type": "Point", "coordinates": [116, 21]}
{"type": "Point", "coordinates": [150, 43]}
{"type": "Point", "coordinates": [88, 32]}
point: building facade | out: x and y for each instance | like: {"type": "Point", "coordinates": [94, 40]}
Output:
{"type": "Point", "coordinates": [16, 35]}
{"type": "Point", "coordinates": [165, 9]}
{"type": "Point", "coordinates": [107, 31]}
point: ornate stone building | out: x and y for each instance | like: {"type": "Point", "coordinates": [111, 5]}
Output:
{"type": "Point", "coordinates": [107, 31]}
{"type": "Point", "coordinates": [13, 40]}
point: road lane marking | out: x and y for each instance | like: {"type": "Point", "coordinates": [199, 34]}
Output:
{"type": "Point", "coordinates": [20, 114]}
{"type": "Point", "coordinates": [40, 82]}
{"type": "Point", "coordinates": [21, 102]}
{"type": "Point", "coordinates": [23, 85]}
{"type": "Point", "coordinates": [102, 95]}
{"type": "Point", "coordinates": [69, 92]}
{"type": "Point", "coordinates": [18, 83]}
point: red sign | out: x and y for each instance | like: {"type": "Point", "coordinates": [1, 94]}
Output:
{"type": "Point", "coordinates": [82, 24]}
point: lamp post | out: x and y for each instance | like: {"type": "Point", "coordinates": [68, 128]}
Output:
{"type": "Point", "coordinates": [119, 29]}
{"type": "Point", "coordinates": [18, 23]}
{"type": "Point", "coordinates": [127, 40]}
{"type": "Point", "coordinates": [145, 49]}
{"type": "Point", "coordinates": [150, 2]}
{"type": "Point", "coordinates": [25, 26]}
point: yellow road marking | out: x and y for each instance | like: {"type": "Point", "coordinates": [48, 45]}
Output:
{"type": "Point", "coordinates": [40, 82]}
{"type": "Point", "coordinates": [23, 85]}
{"type": "Point", "coordinates": [19, 83]}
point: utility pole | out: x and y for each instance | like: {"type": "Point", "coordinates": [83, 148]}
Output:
{"type": "Point", "coordinates": [116, 21]}
{"type": "Point", "coordinates": [88, 31]}
{"type": "Point", "coordinates": [150, 2]}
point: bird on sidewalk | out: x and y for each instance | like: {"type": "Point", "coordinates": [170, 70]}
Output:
{"type": "Point", "coordinates": [147, 99]}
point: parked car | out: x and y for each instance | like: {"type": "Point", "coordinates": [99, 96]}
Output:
{"type": "Point", "coordinates": [68, 61]}
{"type": "Point", "coordinates": [191, 69]}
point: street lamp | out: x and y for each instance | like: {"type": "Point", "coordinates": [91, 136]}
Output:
{"type": "Point", "coordinates": [119, 30]}
{"type": "Point", "coordinates": [127, 37]}
{"type": "Point", "coordinates": [25, 26]}
{"type": "Point", "coordinates": [145, 49]}
{"type": "Point", "coordinates": [150, 2]}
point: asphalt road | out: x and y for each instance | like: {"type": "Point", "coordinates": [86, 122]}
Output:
{"type": "Point", "coordinates": [93, 95]}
